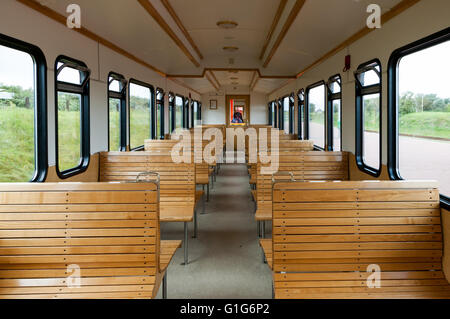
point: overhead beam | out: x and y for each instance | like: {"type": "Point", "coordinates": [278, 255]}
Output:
{"type": "Point", "coordinates": [180, 25]}
{"type": "Point", "coordinates": [214, 77]}
{"type": "Point", "coordinates": [291, 18]}
{"type": "Point", "coordinates": [212, 82]}
{"type": "Point", "coordinates": [252, 87]}
{"type": "Point", "coordinates": [275, 21]}
{"type": "Point", "coordinates": [166, 28]}
{"type": "Point", "coordinates": [35, 5]}
{"type": "Point", "coordinates": [232, 69]}
{"type": "Point", "coordinates": [395, 11]}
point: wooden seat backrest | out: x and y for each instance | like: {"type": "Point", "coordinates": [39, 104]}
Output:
{"type": "Point", "coordinates": [326, 234]}
{"type": "Point", "coordinates": [109, 231]}
{"type": "Point", "coordinates": [165, 147]}
{"type": "Point", "coordinates": [305, 166]}
{"type": "Point", "coordinates": [177, 180]}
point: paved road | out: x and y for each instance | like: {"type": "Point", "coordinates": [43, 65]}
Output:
{"type": "Point", "coordinates": [420, 158]}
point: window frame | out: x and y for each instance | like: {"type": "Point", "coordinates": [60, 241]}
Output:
{"type": "Point", "coordinates": [291, 113]}
{"type": "Point", "coordinates": [331, 97]}
{"type": "Point", "coordinates": [280, 114]}
{"type": "Point", "coordinates": [182, 111]}
{"type": "Point", "coordinates": [172, 112]}
{"type": "Point", "coordinates": [360, 92]}
{"type": "Point", "coordinates": [152, 111]}
{"type": "Point", "coordinates": [186, 104]}
{"type": "Point", "coordinates": [269, 118]}
{"type": "Point", "coordinates": [40, 105]}
{"type": "Point", "coordinates": [84, 90]}
{"type": "Point", "coordinates": [392, 109]}
{"type": "Point", "coordinates": [306, 112]}
{"type": "Point", "coordinates": [160, 103]}
{"type": "Point", "coordinates": [300, 113]}
{"type": "Point", "coordinates": [122, 96]}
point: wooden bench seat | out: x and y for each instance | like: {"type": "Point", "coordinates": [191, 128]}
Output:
{"type": "Point", "coordinates": [177, 183]}
{"type": "Point", "coordinates": [203, 170]}
{"type": "Point", "coordinates": [266, 245]}
{"type": "Point", "coordinates": [167, 251]}
{"type": "Point", "coordinates": [304, 166]}
{"type": "Point", "coordinates": [326, 234]}
{"type": "Point", "coordinates": [107, 234]}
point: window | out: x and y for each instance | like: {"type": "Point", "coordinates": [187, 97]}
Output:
{"type": "Point", "coordinates": [141, 114]}
{"type": "Point", "coordinates": [368, 117]}
{"type": "Point", "coordinates": [315, 114]}
{"type": "Point", "coordinates": [179, 111]}
{"type": "Point", "coordinates": [280, 121]}
{"type": "Point", "coordinates": [186, 113]}
{"type": "Point", "coordinates": [196, 113]}
{"type": "Point", "coordinates": [23, 112]}
{"type": "Point", "coordinates": [419, 111]}
{"type": "Point", "coordinates": [285, 117]}
{"type": "Point", "coordinates": [172, 112]}
{"type": "Point", "coordinates": [300, 113]}
{"type": "Point", "coordinates": [291, 113]}
{"type": "Point", "coordinates": [160, 113]}
{"type": "Point", "coordinates": [72, 116]}
{"type": "Point", "coordinates": [117, 103]}
{"type": "Point", "coordinates": [334, 113]}
{"type": "Point", "coordinates": [272, 117]}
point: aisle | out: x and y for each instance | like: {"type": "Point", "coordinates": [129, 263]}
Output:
{"type": "Point", "coordinates": [225, 259]}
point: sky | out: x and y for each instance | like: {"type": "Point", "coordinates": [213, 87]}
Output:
{"type": "Point", "coordinates": [425, 72]}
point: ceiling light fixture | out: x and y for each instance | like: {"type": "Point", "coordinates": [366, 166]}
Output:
{"type": "Point", "coordinates": [230, 48]}
{"type": "Point", "coordinates": [227, 24]}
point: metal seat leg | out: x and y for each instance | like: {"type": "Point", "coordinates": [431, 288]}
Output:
{"type": "Point", "coordinates": [164, 286]}
{"type": "Point", "coordinates": [195, 224]}
{"type": "Point", "coordinates": [207, 192]}
{"type": "Point", "coordinates": [258, 225]}
{"type": "Point", "coordinates": [185, 243]}
{"type": "Point", "coordinates": [263, 229]}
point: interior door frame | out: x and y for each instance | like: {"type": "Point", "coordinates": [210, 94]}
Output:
{"type": "Point", "coordinates": [227, 106]}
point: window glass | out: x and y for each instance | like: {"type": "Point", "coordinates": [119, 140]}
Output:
{"type": "Point", "coordinates": [274, 117]}
{"type": "Point", "coordinates": [179, 112]}
{"type": "Point", "coordinates": [17, 112]}
{"type": "Point", "coordinates": [69, 130]}
{"type": "Point", "coordinates": [371, 124]}
{"type": "Point", "coordinates": [286, 115]}
{"type": "Point", "coordinates": [69, 75]}
{"type": "Point", "coordinates": [195, 112]}
{"type": "Point", "coordinates": [424, 115]}
{"type": "Point", "coordinates": [140, 114]}
{"type": "Point", "coordinates": [114, 124]}
{"type": "Point", "coordinates": [336, 125]}
{"type": "Point", "coordinates": [316, 109]}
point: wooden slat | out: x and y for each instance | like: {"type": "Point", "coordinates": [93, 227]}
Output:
{"type": "Point", "coordinates": [110, 230]}
{"type": "Point", "coordinates": [326, 234]}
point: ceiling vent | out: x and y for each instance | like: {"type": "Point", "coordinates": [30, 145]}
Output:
{"type": "Point", "coordinates": [231, 61]}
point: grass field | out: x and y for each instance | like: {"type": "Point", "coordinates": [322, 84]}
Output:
{"type": "Point", "coordinates": [426, 124]}
{"type": "Point", "coordinates": [432, 124]}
